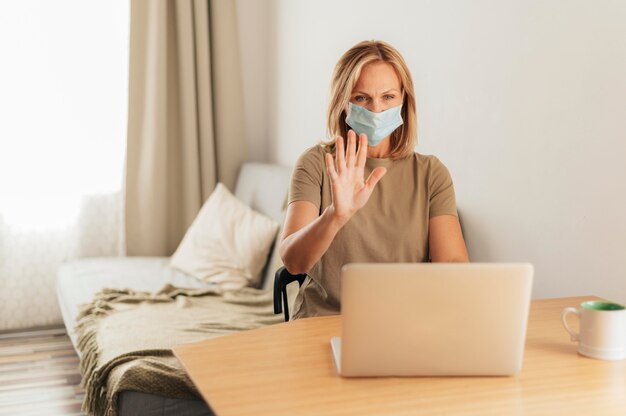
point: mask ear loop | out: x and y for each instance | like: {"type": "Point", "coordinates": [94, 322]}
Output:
{"type": "Point", "coordinates": [405, 143]}
{"type": "Point", "coordinates": [348, 109]}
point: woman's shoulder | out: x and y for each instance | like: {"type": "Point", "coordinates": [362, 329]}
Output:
{"type": "Point", "coordinates": [427, 161]}
{"type": "Point", "coordinates": [313, 155]}
{"type": "Point", "coordinates": [311, 162]}
{"type": "Point", "coordinates": [430, 165]}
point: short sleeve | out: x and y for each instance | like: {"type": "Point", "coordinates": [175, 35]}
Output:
{"type": "Point", "coordinates": [441, 190]}
{"type": "Point", "coordinates": [307, 176]}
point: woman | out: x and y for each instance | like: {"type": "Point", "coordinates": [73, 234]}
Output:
{"type": "Point", "coordinates": [369, 198]}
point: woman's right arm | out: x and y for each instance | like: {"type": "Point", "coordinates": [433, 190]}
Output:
{"type": "Point", "coordinates": [307, 235]}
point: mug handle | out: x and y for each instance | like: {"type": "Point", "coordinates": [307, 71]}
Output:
{"type": "Point", "coordinates": [575, 336]}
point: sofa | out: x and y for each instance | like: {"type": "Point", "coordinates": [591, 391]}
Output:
{"type": "Point", "coordinates": [263, 187]}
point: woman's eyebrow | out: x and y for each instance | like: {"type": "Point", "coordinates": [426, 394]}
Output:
{"type": "Point", "coordinates": [385, 92]}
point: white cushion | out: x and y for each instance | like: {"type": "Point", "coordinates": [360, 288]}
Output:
{"type": "Point", "coordinates": [275, 263]}
{"type": "Point", "coordinates": [263, 188]}
{"type": "Point", "coordinates": [79, 280]}
{"type": "Point", "coordinates": [228, 243]}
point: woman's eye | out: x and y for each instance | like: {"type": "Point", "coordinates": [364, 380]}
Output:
{"type": "Point", "coordinates": [359, 98]}
{"type": "Point", "coordinates": [389, 97]}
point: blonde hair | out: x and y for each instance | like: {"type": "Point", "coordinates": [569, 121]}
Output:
{"type": "Point", "coordinates": [345, 77]}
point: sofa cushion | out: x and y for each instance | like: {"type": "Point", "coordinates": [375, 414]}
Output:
{"type": "Point", "coordinates": [79, 280]}
{"type": "Point", "coordinates": [275, 263]}
{"type": "Point", "coordinates": [228, 243]}
{"type": "Point", "coordinates": [263, 187]}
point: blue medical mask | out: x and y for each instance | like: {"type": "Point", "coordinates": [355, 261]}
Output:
{"type": "Point", "coordinates": [377, 126]}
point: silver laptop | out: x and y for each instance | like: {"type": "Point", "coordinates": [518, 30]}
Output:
{"type": "Point", "coordinates": [433, 319]}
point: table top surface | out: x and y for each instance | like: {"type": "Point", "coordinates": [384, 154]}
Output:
{"type": "Point", "coordinates": [288, 369]}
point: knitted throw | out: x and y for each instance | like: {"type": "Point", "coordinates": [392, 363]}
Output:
{"type": "Point", "coordinates": [125, 338]}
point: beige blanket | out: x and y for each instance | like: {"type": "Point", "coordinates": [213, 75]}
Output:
{"type": "Point", "coordinates": [125, 337]}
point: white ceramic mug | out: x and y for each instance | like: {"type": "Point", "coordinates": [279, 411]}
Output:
{"type": "Point", "coordinates": [602, 329]}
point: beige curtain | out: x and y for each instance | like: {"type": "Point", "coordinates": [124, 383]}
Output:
{"type": "Point", "coordinates": [185, 132]}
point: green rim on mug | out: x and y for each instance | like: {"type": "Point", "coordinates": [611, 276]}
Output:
{"type": "Point", "coordinates": [598, 305]}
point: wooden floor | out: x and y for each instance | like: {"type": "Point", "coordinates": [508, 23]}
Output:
{"type": "Point", "coordinates": [39, 374]}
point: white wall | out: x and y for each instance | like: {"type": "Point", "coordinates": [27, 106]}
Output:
{"type": "Point", "coordinates": [524, 101]}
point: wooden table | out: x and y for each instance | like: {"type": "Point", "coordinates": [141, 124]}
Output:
{"type": "Point", "coordinates": [287, 369]}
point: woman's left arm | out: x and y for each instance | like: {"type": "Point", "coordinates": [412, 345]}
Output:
{"type": "Point", "coordinates": [445, 240]}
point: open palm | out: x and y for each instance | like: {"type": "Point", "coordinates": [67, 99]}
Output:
{"type": "Point", "coordinates": [347, 171]}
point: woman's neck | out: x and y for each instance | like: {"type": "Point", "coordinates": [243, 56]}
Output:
{"type": "Point", "coordinates": [381, 150]}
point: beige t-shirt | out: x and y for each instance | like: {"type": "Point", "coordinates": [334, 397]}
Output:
{"type": "Point", "coordinates": [391, 227]}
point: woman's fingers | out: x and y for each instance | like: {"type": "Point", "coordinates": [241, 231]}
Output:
{"type": "Point", "coordinates": [350, 192]}
{"type": "Point", "coordinates": [351, 152]}
{"type": "Point", "coordinates": [340, 154]}
{"type": "Point", "coordinates": [330, 167]}
{"type": "Point", "coordinates": [361, 156]}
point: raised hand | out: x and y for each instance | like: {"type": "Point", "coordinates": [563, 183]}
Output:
{"type": "Point", "coordinates": [350, 190]}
